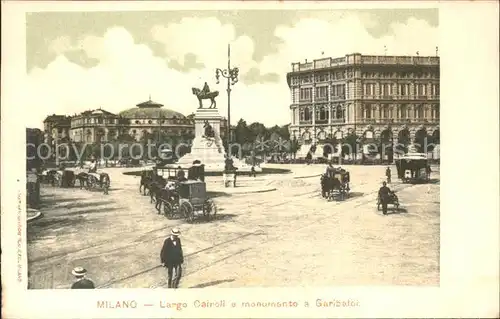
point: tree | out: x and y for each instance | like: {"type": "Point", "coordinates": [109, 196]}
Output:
{"type": "Point", "coordinates": [242, 132]}
{"type": "Point", "coordinates": [420, 140]}
{"type": "Point", "coordinates": [349, 145]}
{"type": "Point", "coordinates": [330, 146]}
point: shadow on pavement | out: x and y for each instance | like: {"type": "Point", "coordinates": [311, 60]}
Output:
{"type": "Point", "coordinates": [399, 210]}
{"type": "Point", "coordinates": [85, 204]}
{"type": "Point", "coordinates": [217, 194]}
{"type": "Point", "coordinates": [212, 283]}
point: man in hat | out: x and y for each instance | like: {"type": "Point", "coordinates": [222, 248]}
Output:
{"type": "Point", "coordinates": [388, 174]}
{"type": "Point", "coordinates": [172, 258]}
{"type": "Point", "coordinates": [82, 282]}
{"type": "Point", "coordinates": [181, 176]}
{"type": "Point", "coordinates": [384, 194]}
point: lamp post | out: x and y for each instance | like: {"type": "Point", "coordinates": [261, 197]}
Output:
{"type": "Point", "coordinates": [232, 78]}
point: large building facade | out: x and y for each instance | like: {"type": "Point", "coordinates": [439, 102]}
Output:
{"type": "Point", "coordinates": [147, 120]}
{"type": "Point", "coordinates": [372, 96]}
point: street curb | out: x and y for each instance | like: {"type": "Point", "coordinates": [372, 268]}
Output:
{"type": "Point", "coordinates": [37, 216]}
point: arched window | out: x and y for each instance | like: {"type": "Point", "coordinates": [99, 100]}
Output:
{"type": "Point", "coordinates": [385, 112]}
{"type": "Point", "coordinates": [307, 114]}
{"type": "Point", "coordinates": [368, 111]}
{"type": "Point", "coordinates": [150, 122]}
{"type": "Point", "coordinates": [338, 112]}
{"type": "Point", "coordinates": [322, 113]}
{"type": "Point", "coordinates": [137, 122]}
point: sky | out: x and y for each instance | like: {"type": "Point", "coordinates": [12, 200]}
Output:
{"type": "Point", "coordinates": [78, 61]}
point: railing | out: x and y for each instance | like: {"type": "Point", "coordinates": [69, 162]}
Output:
{"type": "Point", "coordinates": [338, 97]}
{"type": "Point", "coordinates": [366, 59]}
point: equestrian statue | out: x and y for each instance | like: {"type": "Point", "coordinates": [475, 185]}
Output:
{"type": "Point", "coordinates": [205, 94]}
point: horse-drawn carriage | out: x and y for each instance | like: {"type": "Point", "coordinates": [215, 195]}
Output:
{"type": "Point", "coordinates": [335, 184]}
{"type": "Point", "coordinates": [98, 181]}
{"type": "Point", "coordinates": [190, 201]}
{"type": "Point", "coordinates": [413, 168]}
{"type": "Point", "coordinates": [58, 178]}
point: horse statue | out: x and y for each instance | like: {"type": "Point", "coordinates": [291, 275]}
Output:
{"type": "Point", "coordinates": [205, 94]}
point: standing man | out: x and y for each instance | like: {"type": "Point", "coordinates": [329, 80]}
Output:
{"type": "Point", "coordinates": [93, 166]}
{"type": "Point", "coordinates": [82, 282]}
{"type": "Point", "coordinates": [384, 194]}
{"type": "Point", "coordinates": [388, 174]}
{"type": "Point", "coordinates": [181, 176]}
{"type": "Point", "coordinates": [172, 258]}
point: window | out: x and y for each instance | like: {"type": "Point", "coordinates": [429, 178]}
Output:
{"type": "Point", "coordinates": [306, 94]}
{"type": "Point", "coordinates": [295, 80]}
{"type": "Point", "coordinates": [403, 112]}
{"type": "Point", "coordinates": [435, 89]}
{"type": "Point", "coordinates": [305, 114]}
{"type": "Point", "coordinates": [150, 122]}
{"type": "Point", "coordinates": [100, 120]}
{"type": "Point", "coordinates": [385, 112]}
{"type": "Point", "coordinates": [322, 77]}
{"type": "Point", "coordinates": [339, 112]}
{"type": "Point", "coordinates": [322, 113]}
{"type": "Point", "coordinates": [369, 89]}
{"type": "Point", "coordinates": [322, 92]}
{"type": "Point", "coordinates": [368, 112]}
{"type": "Point", "coordinates": [403, 89]}
{"type": "Point", "coordinates": [137, 122]}
{"type": "Point", "coordinates": [305, 79]}
{"type": "Point", "coordinates": [386, 89]}
{"type": "Point", "coordinates": [420, 89]}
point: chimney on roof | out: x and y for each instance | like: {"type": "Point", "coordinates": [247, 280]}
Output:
{"type": "Point", "coordinates": [306, 61]}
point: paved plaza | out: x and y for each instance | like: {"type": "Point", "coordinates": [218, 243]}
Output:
{"type": "Point", "coordinates": [287, 237]}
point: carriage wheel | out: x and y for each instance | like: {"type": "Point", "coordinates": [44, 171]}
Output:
{"type": "Point", "coordinates": [168, 210]}
{"type": "Point", "coordinates": [209, 208]}
{"type": "Point", "coordinates": [187, 211]}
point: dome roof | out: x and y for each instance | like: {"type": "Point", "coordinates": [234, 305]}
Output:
{"type": "Point", "coordinates": [150, 109]}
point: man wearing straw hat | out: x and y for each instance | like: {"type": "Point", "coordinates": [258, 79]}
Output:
{"type": "Point", "coordinates": [82, 282]}
{"type": "Point", "coordinates": [172, 258]}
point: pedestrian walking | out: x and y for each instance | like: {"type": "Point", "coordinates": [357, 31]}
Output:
{"type": "Point", "coordinates": [172, 258]}
{"type": "Point", "coordinates": [252, 172]}
{"type": "Point", "coordinates": [384, 194]}
{"type": "Point", "coordinates": [388, 174]}
{"type": "Point", "coordinates": [82, 282]}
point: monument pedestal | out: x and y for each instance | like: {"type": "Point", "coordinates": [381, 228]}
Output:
{"type": "Point", "coordinates": [210, 150]}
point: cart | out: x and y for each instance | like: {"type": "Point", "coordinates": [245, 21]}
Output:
{"type": "Point", "coordinates": [393, 200]}
{"type": "Point", "coordinates": [336, 185]}
{"type": "Point", "coordinates": [190, 201]}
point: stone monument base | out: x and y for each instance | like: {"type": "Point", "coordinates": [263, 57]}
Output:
{"type": "Point", "coordinates": [210, 150]}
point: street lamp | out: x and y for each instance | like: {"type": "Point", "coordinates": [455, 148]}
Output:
{"type": "Point", "coordinates": [232, 78]}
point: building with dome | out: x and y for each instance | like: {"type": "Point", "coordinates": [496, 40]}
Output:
{"type": "Point", "coordinates": [147, 120]}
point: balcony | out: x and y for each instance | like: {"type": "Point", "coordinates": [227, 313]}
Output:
{"type": "Point", "coordinates": [321, 99]}
{"type": "Point", "coordinates": [338, 97]}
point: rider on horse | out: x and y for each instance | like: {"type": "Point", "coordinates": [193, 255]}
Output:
{"type": "Point", "coordinates": [205, 90]}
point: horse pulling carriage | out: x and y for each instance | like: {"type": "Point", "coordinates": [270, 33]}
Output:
{"type": "Point", "coordinates": [190, 201]}
{"type": "Point", "coordinates": [335, 184]}
{"type": "Point", "coordinates": [98, 180]}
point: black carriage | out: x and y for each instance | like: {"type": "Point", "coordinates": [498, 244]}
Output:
{"type": "Point", "coordinates": [392, 200]}
{"type": "Point", "coordinates": [335, 184]}
{"type": "Point", "coordinates": [413, 168]}
{"type": "Point", "coordinates": [189, 200]}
